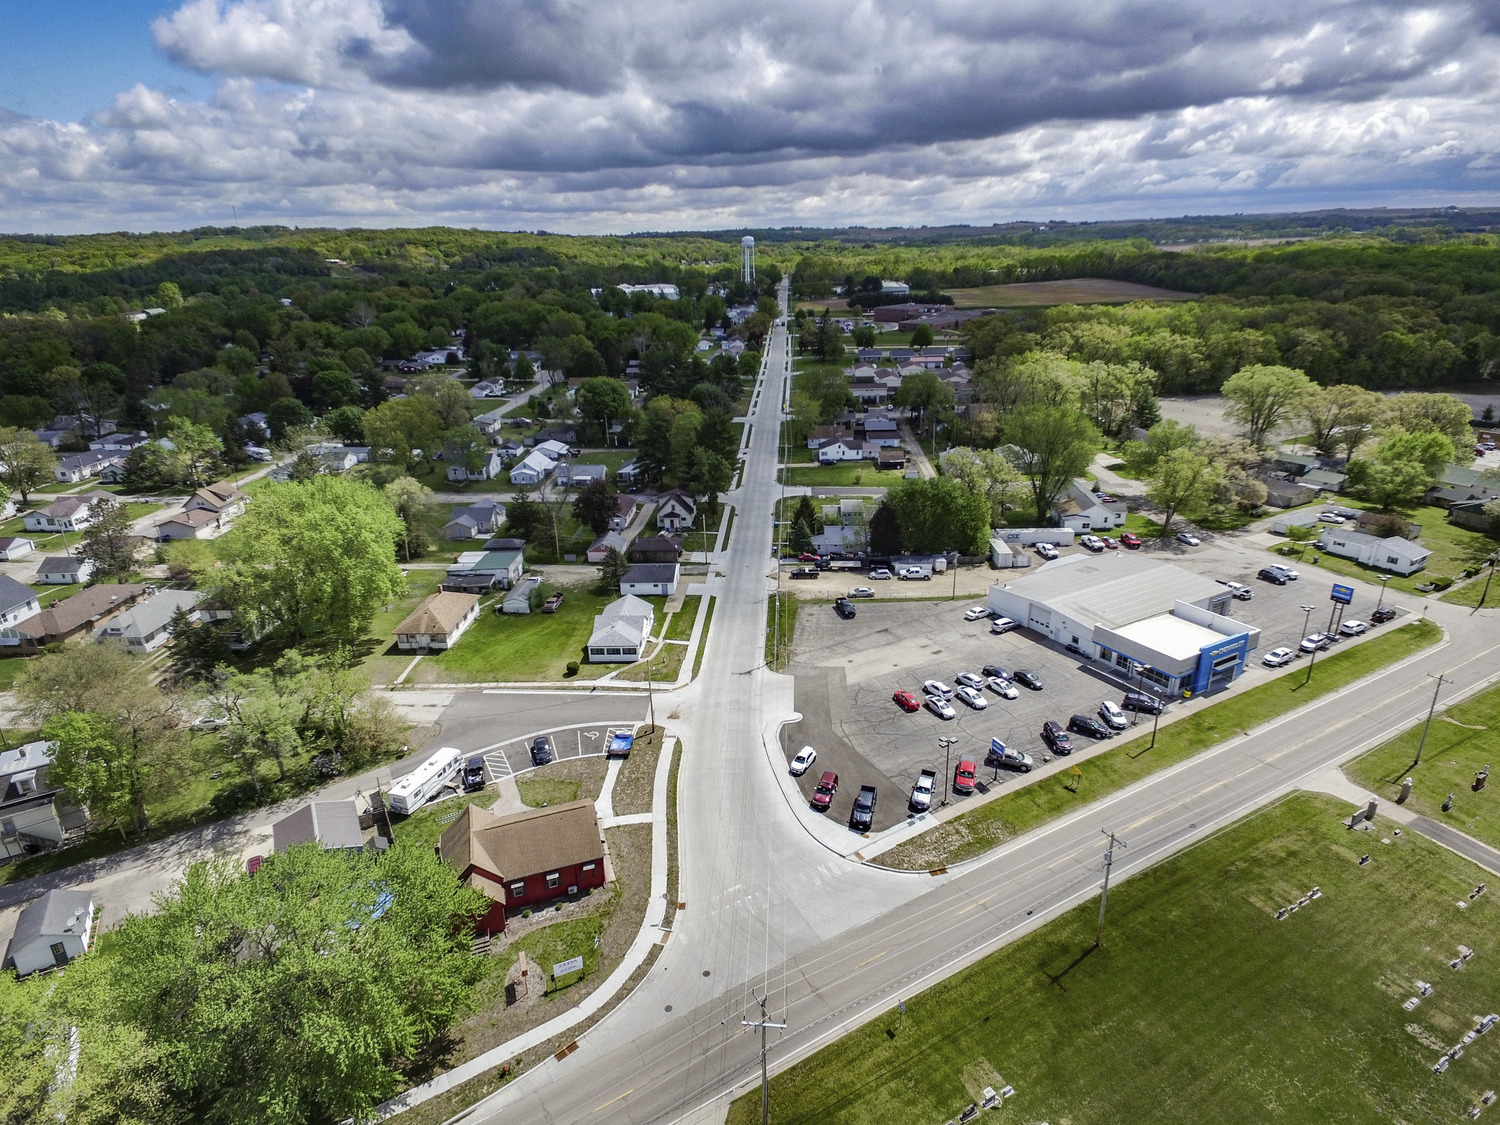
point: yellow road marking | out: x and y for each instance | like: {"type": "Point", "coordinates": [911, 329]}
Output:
{"type": "Point", "coordinates": [877, 957]}
{"type": "Point", "coordinates": [612, 1101]}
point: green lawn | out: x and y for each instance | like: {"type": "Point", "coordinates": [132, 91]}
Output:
{"type": "Point", "coordinates": [1126, 762]}
{"type": "Point", "coordinates": [703, 644]}
{"type": "Point", "coordinates": [430, 821]}
{"type": "Point", "coordinates": [10, 668]}
{"type": "Point", "coordinates": [383, 661]}
{"type": "Point", "coordinates": [1470, 592]}
{"type": "Point", "coordinates": [843, 474]}
{"type": "Point", "coordinates": [539, 791]}
{"type": "Point", "coordinates": [1461, 741]}
{"type": "Point", "coordinates": [681, 627]}
{"type": "Point", "coordinates": [530, 646]}
{"type": "Point", "coordinates": [1201, 1006]}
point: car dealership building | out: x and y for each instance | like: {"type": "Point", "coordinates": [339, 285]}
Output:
{"type": "Point", "coordinates": [1149, 620]}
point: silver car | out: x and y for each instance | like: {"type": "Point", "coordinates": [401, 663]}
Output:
{"type": "Point", "coordinates": [1112, 715]}
{"type": "Point", "coordinates": [1003, 688]}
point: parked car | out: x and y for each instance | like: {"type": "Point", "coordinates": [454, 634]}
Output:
{"type": "Point", "coordinates": [1330, 517]}
{"type": "Point", "coordinates": [921, 792]}
{"type": "Point", "coordinates": [1091, 543]}
{"type": "Point", "coordinates": [940, 708]}
{"type": "Point", "coordinates": [1046, 550]}
{"type": "Point", "coordinates": [1278, 658]}
{"type": "Point", "coordinates": [844, 608]}
{"type": "Point", "coordinates": [1001, 756]}
{"type": "Point", "coordinates": [823, 792]}
{"type": "Point", "coordinates": [906, 701]}
{"type": "Point", "coordinates": [805, 572]}
{"type": "Point", "coordinates": [1353, 628]}
{"type": "Point", "coordinates": [976, 612]}
{"type": "Point", "coordinates": [1109, 543]}
{"type": "Point", "coordinates": [1029, 679]}
{"type": "Point", "coordinates": [1003, 688]}
{"type": "Point", "coordinates": [994, 670]}
{"type": "Point", "coordinates": [863, 814]}
{"type": "Point", "coordinates": [880, 573]}
{"type": "Point", "coordinates": [1382, 615]}
{"type": "Point", "coordinates": [1090, 726]}
{"type": "Point", "coordinates": [803, 758]}
{"type": "Point", "coordinates": [210, 722]}
{"type": "Point", "coordinates": [808, 556]}
{"type": "Point", "coordinates": [1140, 701]}
{"type": "Point", "coordinates": [541, 751]}
{"type": "Point", "coordinates": [1285, 571]}
{"type": "Point", "coordinates": [1238, 590]}
{"type": "Point", "coordinates": [915, 574]}
{"type": "Point", "coordinates": [1272, 575]}
{"type": "Point", "coordinates": [938, 688]}
{"type": "Point", "coordinates": [474, 774]}
{"type": "Point", "coordinates": [1316, 642]}
{"type": "Point", "coordinates": [972, 697]}
{"type": "Point", "coordinates": [970, 679]}
{"type": "Point", "coordinates": [1189, 538]}
{"type": "Point", "coordinates": [862, 592]}
{"type": "Point", "coordinates": [1130, 539]}
{"type": "Point", "coordinates": [1057, 738]}
{"type": "Point", "coordinates": [963, 777]}
{"type": "Point", "coordinates": [1003, 625]}
{"type": "Point", "coordinates": [1110, 712]}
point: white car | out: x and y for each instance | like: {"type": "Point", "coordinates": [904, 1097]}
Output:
{"type": "Point", "coordinates": [1003, 688]}
{"type": "Point", "coordinates": [970, 679]}
{"type": "Point", "coordinates": [1189, 538]}
{"type": "Point", "coordinates": [971, 697]}
{"type": "Point", "coordinates": [1285, 571]}
{"type": "Point", "coordinates": [862, 592]}
{"type": "Point", "coordinates": [1003, 625]}
{"type": "Point", "coordinates": [976, 613]}
{"type": "Point", "coordinates": [940, 708]}
{"type": "Point", "coordinates": [210, 722]}
{"type": "Point", "coordinates": [1278, 657]}
{"type": "Point", "coordinates": [1113, 716]}
{"type": "Point", "coordinates": [805, 757]}
{"type": "Point", "coordinates": [1091, 543]}
{"type": "Point", "coordinates": [1238, 590]}
{"type": "Point", "coordinates": [937, 688]}
{"type": "Point", "coordinates": [880, 574]}
{"type": "Point", "coordinates": [1353, 628]}
{"type": "Point", "coordinates": [1046, 550]}
{"type": "Point", "coordinates": [1316, 642]}
{"type": "Point", "coordinates": [1330, 517]}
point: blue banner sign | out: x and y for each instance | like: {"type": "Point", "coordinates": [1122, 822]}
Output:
{"type": "Point", "coordinates": [1342, 594]}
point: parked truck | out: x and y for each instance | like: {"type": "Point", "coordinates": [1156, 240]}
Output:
{"type": "Point", "coordinates": [864, 809]}
{"type": "Point", "coordinates": [921, 792]}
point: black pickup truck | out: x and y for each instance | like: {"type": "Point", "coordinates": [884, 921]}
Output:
{"type": "Point", "coordinates": [864, 809]}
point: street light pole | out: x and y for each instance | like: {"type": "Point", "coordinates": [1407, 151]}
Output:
{"type": "Point", "coordinates": [1383, 579]}
{"type": "Point", "coordinates": [946, 744]}
{"type": "Point", "coordinates": [1109, 859]}
{"type": "Point", "coordinates": [1435, 689]}
{"type": "Point", "coordinates": [1306, 617]}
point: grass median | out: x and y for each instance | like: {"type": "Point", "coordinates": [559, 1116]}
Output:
{"type": "Point", "coordinates": [1022, 809]}
{"type": "Point", "coordinates": [1201, 1006]}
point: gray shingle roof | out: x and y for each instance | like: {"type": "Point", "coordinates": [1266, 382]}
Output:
{"type": "Point", "coordinates": [56, 912]}
{"type": "Point", "coordinates": [651, 572]}
{"type": "Point", "coordinates": [13, 594]}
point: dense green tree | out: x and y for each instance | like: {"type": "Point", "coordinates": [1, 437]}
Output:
{"type": "Point", "coordinates": [109, 544]}
{"type": "Point", "coordinates": [603, 402]}
{"type": "Point", "coordinates": [197, 647]}
{"type": "Point", "coordinates": [1161, 439]}
{"type": "Point", "coordinates": [1341, 417]}
{"type": "Point", "coordinates": [595, 505]}
{"type": "Point", "coordinates": [708, 477]}
{"type": "Point", "coordinates": [612, 569]}
{"type": "Point", "coordinates": [885, 532]}
{"type": "Point", "coordinates": [1182, 482]}
{"type": "Point", "coordinates": [939, 514]}
{"type": "Point", "coordinates": [1402, 467]}
{"type": "Point", "coordinates": [985, 473]}
{"type": "Point", "coordinates": [524, 515]}
{"type": "Point", "coordinates": [395, 430]}
{"type": "Point", "coordinates": [285, 415]}
{"type": "Point", "coordinates": [1050, 446]}
{"type": "Point", "coordinates": [1433, 413]}
{"type": "Point", "coordinates": [1262, 399]}
{"type": "Point", "coordinates": [313, 558]}
{"type": "Point", "coordinates": [96, 768]}
{"type": "Point", "coordinates": [346, 423]}
{"type": "Point", "coordinates": [412, 502]}
{"type": "Point", "coordinates": [921, 336]}
{"type": "Point", "coordinates": [25, 462]}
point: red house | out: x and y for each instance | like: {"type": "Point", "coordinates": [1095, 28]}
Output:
{"type": "Point", "coordinates": [525, 859]}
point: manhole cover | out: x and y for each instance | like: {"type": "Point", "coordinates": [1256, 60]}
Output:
{"type": "Point", "coordinates": [669, 1007]}
{"type": "Point", "coordinates": [707, 973]}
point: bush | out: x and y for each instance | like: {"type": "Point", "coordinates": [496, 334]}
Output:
{"type": "Point", "coordinates": [572, 668]}
{"type": "Point", "coordinates": [526, 913]}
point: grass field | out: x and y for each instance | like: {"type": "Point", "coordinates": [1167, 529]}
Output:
{"type": "Point", "coordinates": [1201, 1007]}
{"type": "Point", "coordinates": [1461, 741]}
{"type": "Point", "coordinates": [1022, 809]}
{"type": "Point", "coordinates": [530, 646]}
{"type": "Point", "coordinates": [1078, 291]}
{"type": "Point", "coordinates": [1470, 592]}
{"type": "Point", "coordinates": [383, 661]}
{"type": "Point", "coordinates": [858, 474]}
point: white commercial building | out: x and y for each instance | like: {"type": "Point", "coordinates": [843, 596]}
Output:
{"type": "Point", "coordinates": [1149, 620]}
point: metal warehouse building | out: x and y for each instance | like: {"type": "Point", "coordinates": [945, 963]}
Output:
{"type": "Point", "coordinates": [1149, 619]}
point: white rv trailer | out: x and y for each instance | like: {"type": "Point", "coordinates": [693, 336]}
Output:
{"type": "Point", "coordinates": [410, 793]}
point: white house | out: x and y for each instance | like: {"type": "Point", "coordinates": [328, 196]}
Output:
{"type": "Point", "coordinates": [147, 626]}
{"type": "Point", "coordinates": [675, 510]}
{"type": "Point", "coordinates": [847, 449]}
{"type": "Point", "coordinates": [489, 468]}
{"type": "Point", "coordinates": [489, 423]}
{"type": "Point", "coordinates": [487, 388]}
{"type": "Point", "coordinates": [196, 524]}
{"type": "Point", "coordinates": [221, 498]}
{"type": "Point", "coordinates": [51, 931]}
{"type": "Point", "coordinates": [64, 570]}
{"type": "Point", "coordinates": [599, 550]}
{"type": "Point", "coordinates": [533, 469]}
{"type": "Point", "coordinates": [33, 812]}
{"type": "Point", "coordinates": [14, 547]}
{"type": "Point", "coordinates": [645, 579]}
{"type": "Point", "coordinates": [1397, 555]}
{"type": "Point", "coordinates": [78, 467]}
{"type": "Point", "coordinates": [71, 513]}
{"type": "Point", "coordinates": [481, 518]}
{"type": "Point", "coordinates": [553, 448]}
{"type": "Point", "coordinates": [17, 602]}
{"type": "Point", "coordinates": [1083, 510]}
{"type": "Point", "coordinates": [438, 622]}
{"type": "Point", "coordinates": [621, 631]}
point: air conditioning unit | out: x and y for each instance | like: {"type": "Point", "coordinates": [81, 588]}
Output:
{"type": "Point", "coordinates": [573, 890]}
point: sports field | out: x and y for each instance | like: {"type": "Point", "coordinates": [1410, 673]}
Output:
{"type": "Point", "coordinates": [1202, 1007]}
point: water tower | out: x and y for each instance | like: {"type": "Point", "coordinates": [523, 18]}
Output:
{"type": "Point", "coordinates": [747, 255]}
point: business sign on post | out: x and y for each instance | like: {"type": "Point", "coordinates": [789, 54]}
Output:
{"type": "Point", "coordinates": [563, 968]}
{"type": "Point", "coordinates": [1342, 594]}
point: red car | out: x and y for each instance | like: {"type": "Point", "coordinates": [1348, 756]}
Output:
{"type": "Point", "coordinates": [1109, 543]}
{"type": "Point", "coordinates": [827, 786]}
{"type": "Point", "coordinates": [808, 556]}
{"type": "Point", "coordinates": [1130, 539]}
{"type": "Point", "coordinates": [906, 701]}
{"type": "Point", "coordinates": [963, 778]}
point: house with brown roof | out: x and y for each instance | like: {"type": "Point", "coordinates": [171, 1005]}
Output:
{"type": "Point", "coordinates": [525, 859]}
{"type": "Point", "coordinates": [655, 548]}
{"type": "Point", "coordinates": [199, 523]}
{"type": "Point", "coordinates": [71, 513]}
{"type": "Point", "coordinates": [71, 616]}
{"type": "Point", "coordinates": [438, 622]}
{"type": "Point", "coordinates": [221, 498]}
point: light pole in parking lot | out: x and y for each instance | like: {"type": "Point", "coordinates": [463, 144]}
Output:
{"type": "Point", "coordinates": [946, 744]}
{"type": "Point", "coordinates": [1306, 617]}
{"type": "Point", "coordinates": [1138, 668]}
{"type": "Point", "coordinates": [1382, 579]}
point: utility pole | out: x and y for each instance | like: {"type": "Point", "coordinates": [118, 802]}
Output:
{"type": "Point", "coordinates": [1109, 858]}
{"type": "Point", "coordinates": [765, 1086]}
{"type": "Point", "coordinates": [1486, 591]}
{"type": "Point", "coordinates": [1437, 687]}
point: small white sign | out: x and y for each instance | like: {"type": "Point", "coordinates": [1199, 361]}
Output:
{"type": "Point", "coordinates": [571, 965]}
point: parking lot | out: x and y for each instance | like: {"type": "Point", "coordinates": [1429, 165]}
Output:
{"type": "Point", "coordinates": [846, 672]}
{"type": "Point", "coordinates": [514, 757]}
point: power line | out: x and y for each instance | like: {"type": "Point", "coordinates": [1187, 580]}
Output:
{"type": "Point", "coordinates": [765, 1086]}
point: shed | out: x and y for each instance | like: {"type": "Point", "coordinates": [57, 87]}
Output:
{"type": "Point", "coordinates": [651, 578]}
{"type": "Point", "coordinates": [333, 825]}
{"type": "Point", "coordinates": [63, 570]}
{"type": "Point", "coordinates": [51, 931]}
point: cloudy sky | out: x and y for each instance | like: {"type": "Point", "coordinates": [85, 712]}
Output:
{"type": "Point", "coordinates": [620, 115]}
